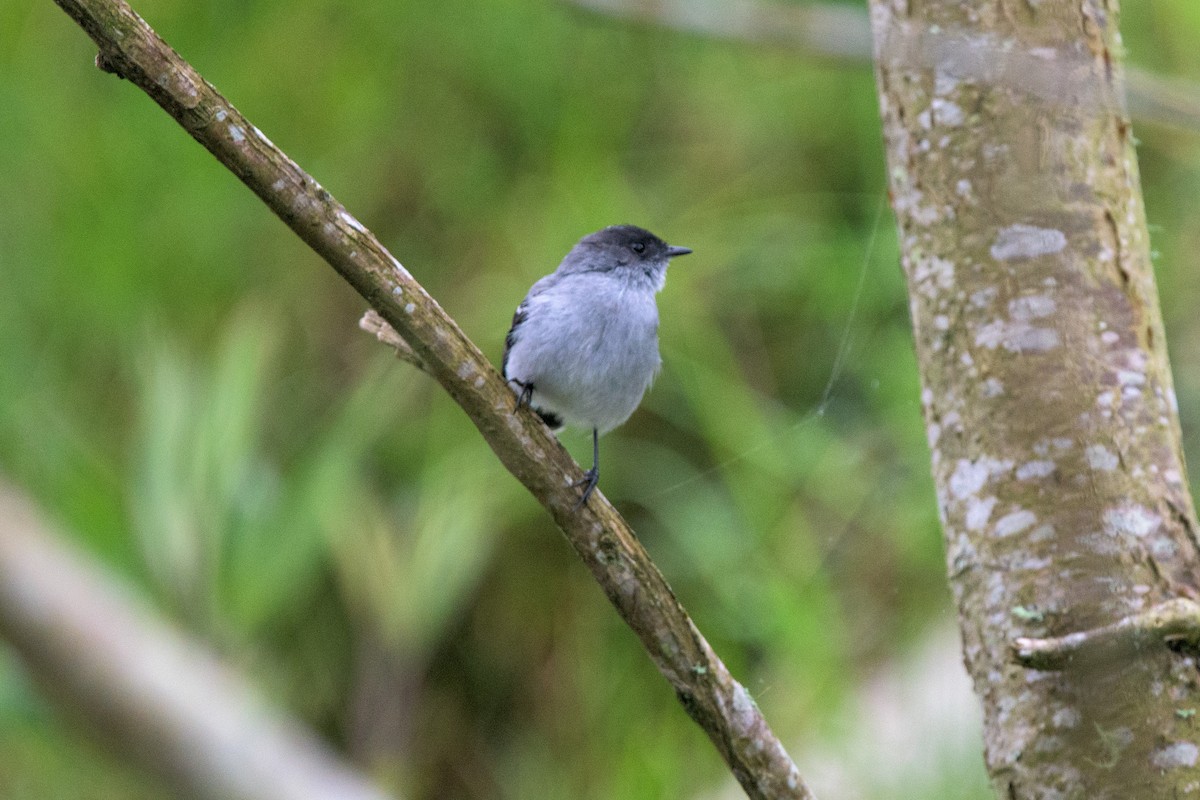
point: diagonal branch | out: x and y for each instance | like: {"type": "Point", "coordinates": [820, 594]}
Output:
{"type": "Point", "coordinates": [176, 708]}
{"type": "Point", "coordinates": [718, 703]}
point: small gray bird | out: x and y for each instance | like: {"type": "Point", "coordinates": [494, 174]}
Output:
{"type": "Point", "coordinates": [583, 347]}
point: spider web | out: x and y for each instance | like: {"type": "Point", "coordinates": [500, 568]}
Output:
{"type": "Point", "coordinates": [835, 372]}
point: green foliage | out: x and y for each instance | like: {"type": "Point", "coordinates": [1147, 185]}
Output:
{"type": "Point", "coordinates": [184, 388]}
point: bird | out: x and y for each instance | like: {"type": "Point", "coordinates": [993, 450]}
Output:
{"type": "Point", "coordinates": [583, 346]}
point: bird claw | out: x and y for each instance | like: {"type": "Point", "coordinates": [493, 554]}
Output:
{"type": "Point", "coordinates": [588, 482]}
{"type": "Point", "coordinates": [525, 396]}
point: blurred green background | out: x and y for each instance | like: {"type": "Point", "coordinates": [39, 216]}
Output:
{"type": "Point", "coordinates": [184, 389]}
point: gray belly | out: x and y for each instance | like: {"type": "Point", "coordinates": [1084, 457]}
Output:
{"type": "Point", "coordinates": [592, 366]}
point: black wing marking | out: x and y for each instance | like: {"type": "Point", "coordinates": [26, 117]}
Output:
{"type": "Point", "coordinates": [519, 316]}
{"type": "Point", "coordinates": [554, 421]}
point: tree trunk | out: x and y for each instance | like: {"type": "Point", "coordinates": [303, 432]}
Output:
{"type": "Point", "coordinates": [1048, 400]}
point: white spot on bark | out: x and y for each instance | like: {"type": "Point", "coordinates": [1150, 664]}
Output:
{"type": "Point", "coordinates": [963, 188]}
{"type": "Point", "coordinates": [1163, 549]}
{"type": "Point", "coordinates": [1026, 241]}
{"type": "Point", "coordinates": [279, 184]}
{"type": "Point", "coordinates": [237, 134]}
{"type": "Point", "coordinates": [351, 221]}
{"type": "Point", "coordinates": [984, 297]}
{"type": "Point", "coordinates": [1179, 754]}
{"type": "Point", "coordinates": [1042, 533]}
{"type": "Point", "coordinates": [970, 476]}
{"type": "Point", "coordinates": [941, 322]}
{"type": "Point", "coordinates": [1102, 544]}
{"type": "Point", "coordinates": [932, 274]}
{"type": "Point", "coordinates": [1032, 340]}
{"type": "Point", "coordinates": [1026, 308]}
{"type": "Point", "coordinates": [979, 511]}
{"type": "Point", "coordinates": [1100, 458]}
{"type": "Point", "coordinates": [411, 307]}
{"type": "Point", "coordinates": [922, 215]}
{"type": "Point", "coordinates": [1016, 337]}
{"type": "Point", "coordinates": [1015, 522]}
{"type": "Point", "coordinates": [990, 335]}
{"type": "Point", "coordinates": [967, 479]}
{"type": "Point", "coordinates": [1034, 469]}
{"type": "Point", "coordinates": [1032, 563]}
{"type": "Point", "coordinates": [1110, 337]}
{"type": "Point", "coordinates": [1127, 377]}
{"type": "Point", "coordinates": [743, 703]}
{"type": "Point", "coordinates": [947, 112]}
{"type": "Point", "coordinates": [944, 83]}
{"type": "Point", "coordinates": [262, 135]}
{"type": "Point", "coordinates": [1131, 520]}
{"type": "Point", "coordinates": [992, 387]}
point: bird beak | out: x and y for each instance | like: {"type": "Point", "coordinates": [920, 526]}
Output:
{"type": "Point", "coordinates": [673, 251]}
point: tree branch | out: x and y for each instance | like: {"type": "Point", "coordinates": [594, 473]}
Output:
{"type": "Point", "coordinates": [1172, 622]}
{"type": "Point", "coordinates": [177, 709]}
{"type": "Point", "coordinates": [835, 32]}
{"type": "Point", "coordinates": [718, 703]}
{"type": "Point", "coordinates": [843, 34]}
{"type": "Point", "coordinates": [376, 325]}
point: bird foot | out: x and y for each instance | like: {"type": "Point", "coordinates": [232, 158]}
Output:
{"type": "Point", "coordinates": [588, 482]}
{"type": "Point", "coordinates": [525, 395]}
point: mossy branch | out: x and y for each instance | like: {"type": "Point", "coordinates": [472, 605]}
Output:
{"type": "Point", "coordinates": [721, 706]}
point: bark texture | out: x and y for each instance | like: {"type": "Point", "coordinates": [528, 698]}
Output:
{"type": "Point", "coordinates": [1047, 394]}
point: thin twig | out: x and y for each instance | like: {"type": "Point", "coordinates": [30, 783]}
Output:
{"type": "Point", "coordinates": [618, 562]}
{"type": "Point", "coordinates": [175, 708]}
{"type": "Point", "coordinates": [372, 323]}
{"type": "Point", "coordinates": [1173, 622]}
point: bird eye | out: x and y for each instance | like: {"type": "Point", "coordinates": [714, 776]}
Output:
{"type": "Point", "coordinates": [638, 247]}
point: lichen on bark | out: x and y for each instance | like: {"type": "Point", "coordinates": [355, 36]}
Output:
{"type": "Point", "coordinates": [1047, 394]}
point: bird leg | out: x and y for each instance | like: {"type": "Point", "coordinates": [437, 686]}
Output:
{"type": "Point", "coordinates": [592, 476]}
{"type": "Point", "coordinates": [525, 395]}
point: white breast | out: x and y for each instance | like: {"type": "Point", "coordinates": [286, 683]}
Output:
{"type": "Point", "coordinates": [589, 346]}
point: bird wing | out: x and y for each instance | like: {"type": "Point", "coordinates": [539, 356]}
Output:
{"type": "Point", "coordinates": [520, 315]}
{"type": "Point", "coordinates": [510, 338]}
